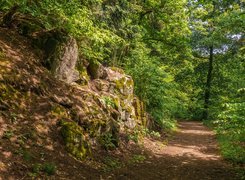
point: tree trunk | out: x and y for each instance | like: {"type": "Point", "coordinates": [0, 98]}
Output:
{"type": "Point", "coordinates": [208, 84]}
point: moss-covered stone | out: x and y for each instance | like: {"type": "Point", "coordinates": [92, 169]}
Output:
{"type": "Point", "coordinates": [141, 115]}
{"type": "Point", "coordinates": [137, 106]}
{"type": "Point", "coordinates": [117, 103]}
{"type": "Point", "coordinates": [120, 84]}
{"type": "Point", "coordinates": [75, 141]}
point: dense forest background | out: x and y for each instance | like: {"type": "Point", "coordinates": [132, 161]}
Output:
{"type": "Point", "coordinates": [186, 57]}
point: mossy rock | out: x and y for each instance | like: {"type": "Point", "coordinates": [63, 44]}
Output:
{"type": "Point", "coordinates": [75, 141]}
{"type": "Point", "coordinates": [129, 82]}
{"type": "Point", "coordinates": [138, 108]}
{"type": "Point", "coordinates": [140, 113]}
{"type": "Point", "coordinates": [117, 103]}
{"type": "Point", "coordinates": [120, 83]}
{"type": "Point", "coordinates": [50, 42]}
{"type": "Point", "coordinates": [124, 85]}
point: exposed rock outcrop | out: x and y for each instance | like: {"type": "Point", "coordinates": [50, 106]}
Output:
{"type": "Point", "coordinates": [100, 107]}
{"type": "Point", "coordinates": [37, 109]}
{"type": "Point", "coordinates": [104, 110]}
{"type": "Point", "coordinates": [64, 61]}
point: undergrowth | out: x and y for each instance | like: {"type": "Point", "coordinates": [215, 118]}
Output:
{"type": "Point", "coordinates": [230, 129]}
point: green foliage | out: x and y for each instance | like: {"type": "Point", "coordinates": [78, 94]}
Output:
{"type": "Point", "coordinates": [108, 101]}
{"type": "Point", "coordinates": [213, 25]}
{"type": "Point", "coordinates": [48, 168]}
{"type": "Point", "coordinates": [137, 159]}
{"type": "Point", "coordinates": [231, 131]}
{"type": "Point", "coordinates": [108, 141]}
{"type": "Point", "coordinates": [75, 140]}
{"type": "Point", "coordinates": [36, 168]}
{"type": "Point", "coordinates": [27, 156]}
{"type": "Point", "coordinates": [156, 88]}
{"type": "Point", "coordinates": [8, 134]}
{"type": "Point", "coordinates": [145, 38]}
{"type": "Point", "coordinates": [134, 136]}
{"type": "Point", "coordinates": [155, 134]}
{"type": "Point", "coordinates": [164, 46]}
{"type": "Point", "coordinates": [111, 163]}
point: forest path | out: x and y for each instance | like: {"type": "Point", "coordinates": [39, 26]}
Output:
{"type": "Point", "coordinates": [192, 154]}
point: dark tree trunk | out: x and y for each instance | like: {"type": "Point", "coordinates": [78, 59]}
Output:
{"type": "Point", "coordinates": [208, 84]}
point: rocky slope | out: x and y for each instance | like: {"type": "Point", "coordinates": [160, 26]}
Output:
{"type": "Point", "coordinates": [52, 105]}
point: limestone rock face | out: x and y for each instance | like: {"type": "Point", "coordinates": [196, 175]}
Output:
{"type": "Point", "coordinates": [64, 61]}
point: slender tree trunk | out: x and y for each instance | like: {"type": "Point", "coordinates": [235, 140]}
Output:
{"type": "Point", "coordinates": [208, 83]}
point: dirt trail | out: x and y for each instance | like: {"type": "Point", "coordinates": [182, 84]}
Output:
{"type": "Point", "coordinates": [191, 154]}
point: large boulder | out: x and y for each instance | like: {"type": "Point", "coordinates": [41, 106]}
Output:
{"type": "Point", "coordinates": [64, 61]}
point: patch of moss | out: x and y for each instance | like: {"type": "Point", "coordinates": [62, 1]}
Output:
{"type": "Point", "coordinates": [116, 102]}
{"type": "Point", "coordinates": [144, 121]}
{"type": "Point", "coordinates": [2, 55]}
{"type": "Point", "coordinates": [84, 78]}
{"type": "Point", "coordinates": [120, 83]}
{"type": "Point", "coordinates": [111, 164]}
{"type": "Point", "coordinates": [140, 113]}
{"type": "Point", "coordinates": [121, 71]}
{"type": "Point", "coordinates": [59, 111]}
{"type": "Point", "coordinates": [129, 82]}
{"type": "Point", "coordinates": [74, 138]}
{"type": "Point", "coordinates": [48, 168]}
{"type": "Point", "coordinates": [108, 101]}
{"type": "Point", "coordinates": [137, 106]}
{"type": "Point", "coordinates": [97, 126]}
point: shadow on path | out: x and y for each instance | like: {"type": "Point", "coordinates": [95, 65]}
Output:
{"type": "Point", "coordinates": [192, 154]}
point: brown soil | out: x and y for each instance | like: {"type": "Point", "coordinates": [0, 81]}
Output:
{"type": "Point", "coordinates": [191, 154]}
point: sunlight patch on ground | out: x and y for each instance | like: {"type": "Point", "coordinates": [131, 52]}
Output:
{"type": "Point", "coordinates": [195, 132]}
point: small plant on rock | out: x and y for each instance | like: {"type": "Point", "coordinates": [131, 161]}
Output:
{"type": "Point", "coordinates": [108, 141]}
